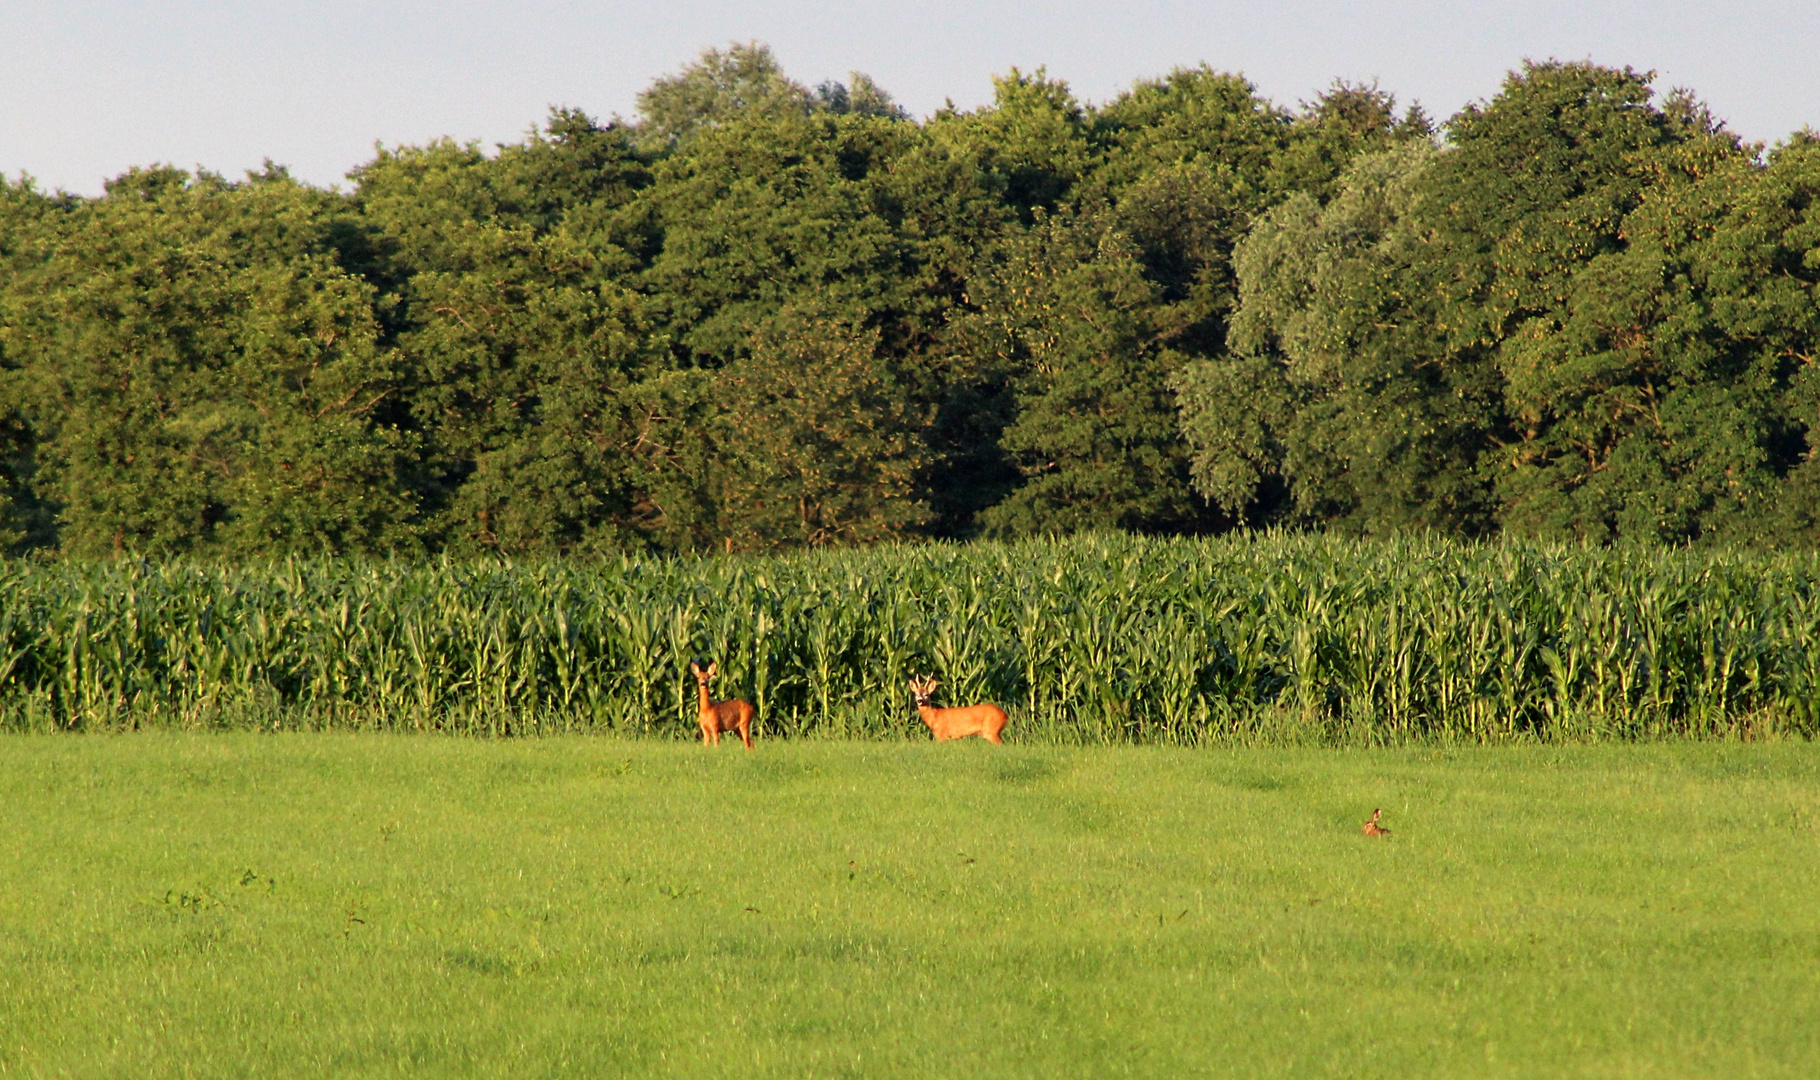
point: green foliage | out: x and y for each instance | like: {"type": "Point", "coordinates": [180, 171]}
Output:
{"type": "Point", "coordinates": [1096, 639]}
{"type": "Point", "coordinates": [859, 96]}
{"type": "Point", "coordinates": [519, 343]}
{"type": "Point", "coordinates": [1034, 140]}
{"type": "Point", "coordinates": [1586, 318]}
{"type": "Point", "coordinates": [574, 174]}
{"type": "Point", "coordinates": [201, 374]}
{"type": "Point", "coordinates": [1328, 409]}
{"type": "Point", "coordinates": [1345, 121]}
{"type": "Point", "coordinates": [1192, 115]}
{"type": "Point", "coordinates": [759, 212]}
{"type": "Point", "coordinates": [1103, 308]}
{"type": "Point", "coordinates": [1660, 399]}
{"type": "Point", "coordinates": [870, 223]}
{"type": "Point", "coordinates": [17, 449]}
{"type": "Point", "coordinates": [744, 81]}
{"type": "Point", "coordinates": [764, 316]}
{"type": "Point", "coordinates": [25, 521]}
{"type": "Point", "coordinates": [1094, 434]}
{"type": "Point", "coordinates": [818, 440]}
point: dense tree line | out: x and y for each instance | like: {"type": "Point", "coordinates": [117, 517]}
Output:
{"type": "Point", "coordinates": [763, 315]}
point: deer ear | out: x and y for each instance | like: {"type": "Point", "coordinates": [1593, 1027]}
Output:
{"type": "Point", "coordinates": [713, 669]}
{"type": "Point", "coordinates": [695, 667]}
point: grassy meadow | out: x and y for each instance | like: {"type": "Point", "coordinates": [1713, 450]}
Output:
{"type": "Point", "coordinates": [242, 905]}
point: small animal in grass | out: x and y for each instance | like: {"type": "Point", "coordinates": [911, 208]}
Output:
{"type": "Point", "coordinates": [719, 716]}
{"type": "Point", "coordinates": [985, 720]}
{"type": "Point", "coordinates": [1372, 828]}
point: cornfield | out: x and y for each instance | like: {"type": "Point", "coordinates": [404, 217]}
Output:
{"type": "Point", "coordinates": [1097, 639]}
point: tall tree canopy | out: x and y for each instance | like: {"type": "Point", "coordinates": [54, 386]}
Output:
{"type": "Point", "coordinates": [201, 372]}
{"type": "Point", "coordinates": [760, 315]}
{"type": "Point", "coordinates": [1588, 315]}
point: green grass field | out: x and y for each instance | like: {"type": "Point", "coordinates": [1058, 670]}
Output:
{"type": "Point", "coordinates": [344, 905]}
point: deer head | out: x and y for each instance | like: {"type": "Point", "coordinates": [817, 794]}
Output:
{"type": "Point", "coordinates": [923, 688]}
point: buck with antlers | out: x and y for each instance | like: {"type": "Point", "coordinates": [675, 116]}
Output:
{"type": "Point", "coordinates": [985, 720]}
{"type": "Point", "coordinates": [719, 716]}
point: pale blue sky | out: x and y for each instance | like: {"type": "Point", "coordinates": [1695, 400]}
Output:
{"type": "Point", "coordinates": [91, 87]}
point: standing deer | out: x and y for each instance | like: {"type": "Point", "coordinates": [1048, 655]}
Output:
{"type": "Point", "coordinates": [985, 720]}
{"type": "Point", "coordinates": [1372, 828]}
{"type": "Point", "coordinates": [719, 716]}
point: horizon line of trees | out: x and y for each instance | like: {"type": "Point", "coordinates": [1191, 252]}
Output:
{"type": "Point", "coordinates": [763, 316]}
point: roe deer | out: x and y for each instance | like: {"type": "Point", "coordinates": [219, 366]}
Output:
{"type": "Point", "coordinates": [1372, 828]}
{"type": "Point", "coordinates": [984, 720]}
{"type": "Point", "coordinates": [719, 716]}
